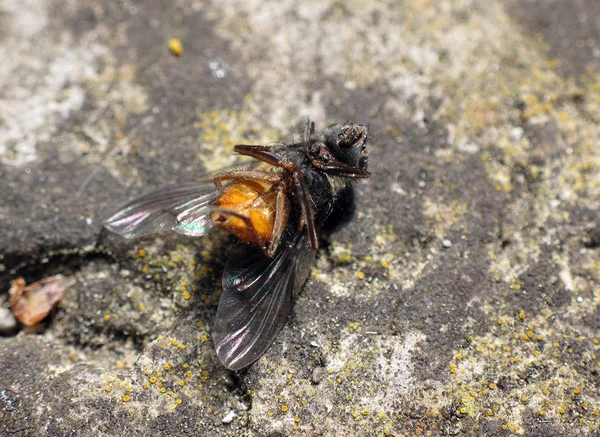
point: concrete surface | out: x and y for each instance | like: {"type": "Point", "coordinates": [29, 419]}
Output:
{"type": "Point", "coordinates": [463, 297]}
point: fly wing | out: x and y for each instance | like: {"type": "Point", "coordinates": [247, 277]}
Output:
{"type": "Point", "coordinates": [257, 298]}
{"type": "Point", "coordinates": [182, 208]}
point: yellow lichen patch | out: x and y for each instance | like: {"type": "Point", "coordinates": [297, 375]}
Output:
{"type": "Point", "coordinates": [353, 326]}
{"type": "Point", "coordinates": [351, 390]}
{"type": "Point", "coordinates": [340, 254]}
{"type": "Point", "coordinates": [221, 130]}
{"type": "Point", "coordinates": [502, 355]}
{"type": "Point", "coordinates": [202, 271]}
{"type": "Point", "coordinates": [381, 263]}
{"type": "Point", "coordinates": [176, 378]}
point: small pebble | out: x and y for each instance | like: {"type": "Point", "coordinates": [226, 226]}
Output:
{"type": "Point", "coordinates": [317, 375]}
{"type": "Point", "coordinates": [8, 323]}
{"type": "Point", "coordinates": [176, 47]}
{"type": "Point", "coordinates": [229, 417]}
{"type": "Point", "coordinates": [446, 243]}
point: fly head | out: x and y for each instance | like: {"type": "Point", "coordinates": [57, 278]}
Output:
{"type": "Point", "coordinates": [342, 151]}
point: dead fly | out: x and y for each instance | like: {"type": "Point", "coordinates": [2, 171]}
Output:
{"type": "Point", "coordinates": [276, 203]}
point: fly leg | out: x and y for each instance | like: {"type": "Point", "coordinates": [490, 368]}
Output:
{"type": "Point", "coordinates": [248, 175]}
{"type": "Point", "coordinates": [307, 212]}
{"type": "Point", "coordinates": [263, 153]}
{"type": "Point", "coordinates": [282, 212]}
{"type": "Point", "coordinates": [309, 131]}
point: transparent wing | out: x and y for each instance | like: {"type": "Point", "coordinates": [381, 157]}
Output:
{"type": "Point", "coordinates": [183, 208]}
{"type": "Point", "coordinates": [257, 298]}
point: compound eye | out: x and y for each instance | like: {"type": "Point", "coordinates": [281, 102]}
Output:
{"type": "Point", "coordinates": [322, 153]}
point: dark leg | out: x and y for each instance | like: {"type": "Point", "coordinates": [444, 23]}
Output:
{"type": "Point", "coordinates": [263, 153]}
{"type": "Point", "coordinates": [339, 169]}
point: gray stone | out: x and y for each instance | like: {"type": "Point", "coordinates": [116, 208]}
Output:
{"type": "Point", "coordinates": [8, 323]}
{"type": "Point", "coordinates": [484, 132]}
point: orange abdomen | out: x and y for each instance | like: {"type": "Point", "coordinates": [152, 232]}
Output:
{"type": "Point", "coordinates": [253, 205]}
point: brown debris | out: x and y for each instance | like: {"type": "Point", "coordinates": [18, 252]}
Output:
{"type": "Point", "coordinates": [31, 304]}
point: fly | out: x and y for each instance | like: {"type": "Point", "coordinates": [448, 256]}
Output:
{"type": "Point", "coordinates": [276, 204]}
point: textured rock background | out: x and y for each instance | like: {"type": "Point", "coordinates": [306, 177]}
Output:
{"type": "Point", "coordinates": [463, 298]}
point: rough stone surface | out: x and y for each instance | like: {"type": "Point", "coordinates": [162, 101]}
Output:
{"type": "Point", "coordinates": [485, 133]}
